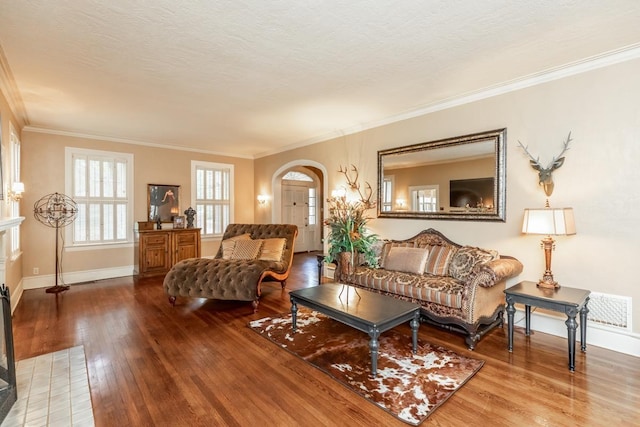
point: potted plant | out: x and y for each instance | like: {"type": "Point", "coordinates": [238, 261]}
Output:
{"type": "Point", "coordinates": [348, 236]}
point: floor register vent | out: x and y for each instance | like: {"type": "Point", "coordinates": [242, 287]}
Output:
{"type": "Point", "coordinates": [610, 310]}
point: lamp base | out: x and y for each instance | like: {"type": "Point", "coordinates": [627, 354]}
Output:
{"type": "Point", "coordinates": [57, 289]}
{"type": "Point", "coordinates": [547, 281]}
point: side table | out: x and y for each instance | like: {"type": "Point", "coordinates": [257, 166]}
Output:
{"type": "Point", "coordinates": [569, 301]}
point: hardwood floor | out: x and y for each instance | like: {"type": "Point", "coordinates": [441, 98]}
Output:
{"type": "Point", "coordinates": [198, 364]}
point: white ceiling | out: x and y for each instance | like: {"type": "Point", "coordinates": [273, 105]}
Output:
{"type": "Point", "coordinates": [250, 77]}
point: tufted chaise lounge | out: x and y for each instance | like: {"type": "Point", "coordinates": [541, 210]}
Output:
{"type": "Point", "coordinates": [233, 279]}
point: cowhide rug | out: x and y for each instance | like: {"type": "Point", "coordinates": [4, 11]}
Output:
{"type": "Point", "coordinates": [408, 386]}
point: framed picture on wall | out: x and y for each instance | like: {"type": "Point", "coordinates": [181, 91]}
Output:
{"type": "Point", "coordinates": [163, 202]}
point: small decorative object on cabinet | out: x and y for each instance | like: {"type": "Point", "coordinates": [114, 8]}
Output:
{"type": "Point", "coordinates": [190, 213]}
{"type": "Point", "coordinates": [178, 221]}
{"type": "Point", "coordinates": [159, 250]}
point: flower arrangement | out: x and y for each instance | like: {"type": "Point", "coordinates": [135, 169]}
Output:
{"type": "Point", "coordinates": [347, 224]}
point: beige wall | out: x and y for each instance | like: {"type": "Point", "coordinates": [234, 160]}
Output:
{"type": "Point", "coordinates": [599, 178]}
{"type": "Point", "coordinates": [43, 173]}
{"type": "Point", "coordinates": [13, 272]}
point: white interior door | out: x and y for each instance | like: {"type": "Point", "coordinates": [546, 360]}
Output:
{"type": "Point", "coordinates": [295, 210]}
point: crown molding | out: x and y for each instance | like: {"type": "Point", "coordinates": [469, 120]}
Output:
{"type": "Point", "coordinates": [129, 141]}
{"type": "Point", "coordinates": [595, 62]}
{"type": "Point", "coordinates": [11, 93]}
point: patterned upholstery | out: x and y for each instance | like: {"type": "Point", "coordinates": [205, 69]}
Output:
{"type": "Point", "coordinates": [232, 279]}
{"type": "Point", "coordinates": [461, 290]}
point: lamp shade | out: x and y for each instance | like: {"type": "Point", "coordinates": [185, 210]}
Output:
{"type": "Point", "coordinates": [549, 221]}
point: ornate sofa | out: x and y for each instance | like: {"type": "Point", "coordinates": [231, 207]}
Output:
{"type": "Point", "coordinates": [460, 288]}
{"type": "Point", "coordinates": [248, 255]}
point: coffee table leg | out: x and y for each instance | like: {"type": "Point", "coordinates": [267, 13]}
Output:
{"type": "Point", "coordinates": [294, 313]}
{"type": "Point", "coordinates": [510, 312]}
{"type": "Point", "coordinates": [374, 333]}
{"type": "Point", "coordinates": [572, 325]}
{"type": "Point", "coordinates": [415, 324]}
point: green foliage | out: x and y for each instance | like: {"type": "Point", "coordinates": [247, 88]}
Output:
{"type": "Point", "coordinates": [348, 231]}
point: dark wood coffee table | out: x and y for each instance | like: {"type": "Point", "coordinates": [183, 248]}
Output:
{"type": "Point", "coordinates": [363, 310]}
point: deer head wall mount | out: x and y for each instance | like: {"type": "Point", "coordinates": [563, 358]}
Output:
{"type": "Point", "coordinates": [545, 173]}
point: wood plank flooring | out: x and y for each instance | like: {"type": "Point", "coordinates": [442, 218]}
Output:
{"type": "Point", "coordinates": [198, 364]}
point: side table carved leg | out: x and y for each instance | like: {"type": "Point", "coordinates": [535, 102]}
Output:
{"type": "Point", "coordinates": [510, 312]}
{"type": "Point", "coordinates": [415, 324]}
{"type": "Point", "coordinates": [527, 320]}
{"type": "Point", "coordinates": [583, 325]}
{"type": "Point", "coordinates": [572, 325]}
{"type": "Point", "coordinates": [294, 313]}
{"type": "Point", "coordinates": [374, 333]}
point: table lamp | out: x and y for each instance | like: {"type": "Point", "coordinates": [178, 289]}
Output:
{"type": "Point", "coordinates": [551, 222]}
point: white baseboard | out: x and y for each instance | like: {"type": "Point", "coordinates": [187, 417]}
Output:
{"type": "Point", "coordinates": [45, 281]}
{"type": "Point", "coordinates": [16, 295]}
{"type": "Point", "coordinates": [600, 336]}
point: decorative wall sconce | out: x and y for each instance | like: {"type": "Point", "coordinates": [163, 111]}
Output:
{"type": "Point", "coordinates": [263, 199]}
{"type": "Point", "coordinates": [16, 191]}
{"type": "Point", "coordinates": [549, 222]}
{"type": "Point", "coordinates": [401, 203]}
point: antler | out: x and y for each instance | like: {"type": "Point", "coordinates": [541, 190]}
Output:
{"type": "Point", "coordinates": [353, 183]}
{"type": "Point", "coordinates": [559, 158]}
{"type": "Point", "coordinates": [535, 163]}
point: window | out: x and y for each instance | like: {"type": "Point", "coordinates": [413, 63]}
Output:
{"type": "Point", "coordinates": [424, 198]}
{"type": "Point", "coordinates": [14, 205]}
{"type": "Point", "coordinates": [100, 182]}
{"type": "Point", "coordinates": [312, 206]}
{"type": "Point", "coordinates": [211, 191]}
{"type": "Point", "coordinates": [387, 191]}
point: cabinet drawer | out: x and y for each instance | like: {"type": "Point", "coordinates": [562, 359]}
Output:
{"type": "Point", "coordinates": [156, 240]}
{"type": "Point", "coordinates": [186, 239]}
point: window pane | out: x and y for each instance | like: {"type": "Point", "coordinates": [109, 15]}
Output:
{"type": "Point", "coordinates": [121, 221]}
{"type": "Point", "coordinates": [121, 180]}
{"type": "Point", "coordinates": [80, 177]}
{"type": "Point", "coordinates": [80, 224]}
{"type": "Point", "coordinates": [107, 179]}
{"type": "Point", "coordinates": [94, 178]}
{"type": "Point", "coordinates": [94, 221]}
{"type": "Point", "coordinates": [107, 222]}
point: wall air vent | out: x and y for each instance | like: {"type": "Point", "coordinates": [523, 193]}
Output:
{"type": "Point", "coordinates": [610, 310]}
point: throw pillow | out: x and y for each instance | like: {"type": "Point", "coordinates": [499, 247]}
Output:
{"type": "Point", "coordinates": [272, 249]}
{"type": "Point", "coordinates": [246, 249]}
{"type": "Point", "coordinates": [407, 260]}
{"type": "Point", "coordinates": [387, 247]}
{"type": "Point", "coordinates": [439, 259]}
{"type": "Point", "coordinates": [466, 259]}
{"type": "Point", "coordinates": [230, 243]}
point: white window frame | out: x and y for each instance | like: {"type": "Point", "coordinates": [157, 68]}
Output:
{"type": "Point", "coordinates": [14, 205]}
{"type": "Point", "coordinates": [69, 183]}
{"type": "Point", "coordinates": [196, 202]}
{"type": "Point", "coordinates": [417, 205]}
{"type": "Point", "coordinates": [388, 188]}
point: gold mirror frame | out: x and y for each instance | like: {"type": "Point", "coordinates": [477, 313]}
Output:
{"type": "Point", "coordinates": [447, 154]}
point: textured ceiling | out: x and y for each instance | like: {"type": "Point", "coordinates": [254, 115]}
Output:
{"type": "Point", "coordinates": [248, 77]}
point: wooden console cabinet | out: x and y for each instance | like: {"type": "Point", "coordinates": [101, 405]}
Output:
{"type": "Point", "coordinates": [159, 250]}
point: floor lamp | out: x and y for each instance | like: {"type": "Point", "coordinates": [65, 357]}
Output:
{"type": "Point", "coordinates": [57, 211]}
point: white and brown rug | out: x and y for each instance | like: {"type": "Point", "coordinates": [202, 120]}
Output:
{"type": "Point", "coordinates": [408, 386]}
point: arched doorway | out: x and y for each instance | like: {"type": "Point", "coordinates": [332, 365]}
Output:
{"type": "Point", "coordinates": [298, 198]}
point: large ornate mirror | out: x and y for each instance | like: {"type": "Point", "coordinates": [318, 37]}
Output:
{"type": "Point", "coordinates": [455, 178]}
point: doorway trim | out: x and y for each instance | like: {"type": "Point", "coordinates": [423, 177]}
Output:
{"type": "Point", "coordinates": [276, 185]}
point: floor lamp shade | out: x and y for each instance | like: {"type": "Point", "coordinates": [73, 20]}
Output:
{"type": "Point", "coordinates": [550, 222]}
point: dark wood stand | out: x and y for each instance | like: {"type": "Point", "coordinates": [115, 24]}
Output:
{"type": "Point", "coordinates": [569, 301]}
